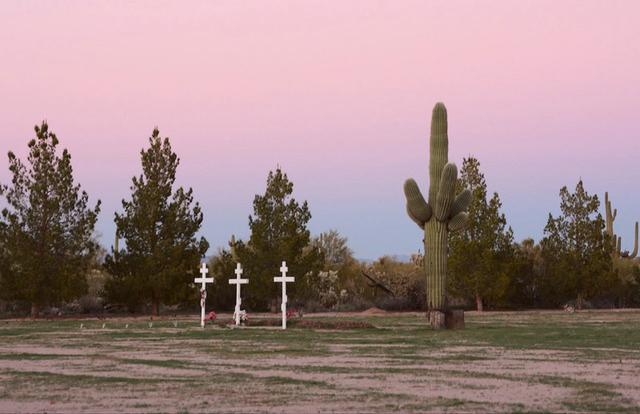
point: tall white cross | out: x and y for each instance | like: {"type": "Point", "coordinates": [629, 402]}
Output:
{"type": "Point", "coordinates": [203, 290]}
{"type": "Point", "coordinates": [284, 279]}
{"type": "Point", "coordinates": [238, 281]}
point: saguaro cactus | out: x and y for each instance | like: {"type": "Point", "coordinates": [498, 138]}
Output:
{"type": "Point", "coordinates": [610, 217]}
{"type": "Point", "coordinates": [443, 212]}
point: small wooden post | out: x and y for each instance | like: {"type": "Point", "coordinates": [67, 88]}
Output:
{"type": "Point", "coordinates": [454, 319]}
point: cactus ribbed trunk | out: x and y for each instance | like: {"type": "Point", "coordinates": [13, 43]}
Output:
{"type": "Point", "coordinates": [435, 264]}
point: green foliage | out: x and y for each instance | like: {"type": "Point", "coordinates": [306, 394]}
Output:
{"type": "Point", "coordinates": [159, 226]}
{"type": "Point", "coordinates": [481, 256]}
{"type": "Point", "coordinates": [47, 246]}
{"type": "Point", "coordinates": [278, 233]}
{"type": "Point", "coordinates": [526, 275]}
{"type": "Point", "coordinates": [626, 289]}
{"type": "Point", "coordinates": [576, 250]}
{"type": "Point", "coordinates": [442, 213]}
{"type": "Point", "coordinates": [222, 267]}
{"type": "Point", "coordinates": [334, 248]}
{"type": "Point", "coordinates": [340, 277]}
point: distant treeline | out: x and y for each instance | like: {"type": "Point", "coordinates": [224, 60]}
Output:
{"type": "Point", "coordinates": [50, 261]}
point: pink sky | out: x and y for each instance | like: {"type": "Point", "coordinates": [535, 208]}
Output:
{"type": "Point", "coordinates": [339, 94]}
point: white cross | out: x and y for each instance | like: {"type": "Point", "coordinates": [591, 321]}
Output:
{"type": "Point", "coordinates": [284, 279]}
{"type": "Point", "coordinates": [238, 281]}
{"type": "Point", "coordinates": [203, 290]}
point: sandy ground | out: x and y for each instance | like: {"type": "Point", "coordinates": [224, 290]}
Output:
{"type": "Point", "coordinates": [502, 362]}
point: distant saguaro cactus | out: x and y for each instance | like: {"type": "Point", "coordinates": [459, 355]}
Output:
{"type": "Point", "coordinates": [232, 244]}
{"type": "Point", "coordinates": [617, 240]}
{"type": "Point", "coordinates": [443, 212]}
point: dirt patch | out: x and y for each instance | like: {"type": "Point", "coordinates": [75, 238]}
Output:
{"type": "Point", "coordinates": [305, 324]}
{"type": "Point", "coordinates": [332, 366]}
{"type": "Point", "coordinates": [374, 311]}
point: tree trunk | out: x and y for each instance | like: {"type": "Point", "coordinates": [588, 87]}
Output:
{"type": "Point", "coordinates": [35, 310]}
{"type": "Point", "coordinates": [579, 301]}
{"type": "Point", "coordinates": [437, 319]}
{"type": "Point", "coordinates": [155, 308]}
{"type": "Point", "coordinates": [479, 306]}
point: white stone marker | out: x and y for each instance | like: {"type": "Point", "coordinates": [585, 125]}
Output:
{"type": "Point", "coordinates": [203, 290]}
{"type": "Point", "coordinates": [238, 281]}
{"type": "Point", "coordinates": [284, 279]}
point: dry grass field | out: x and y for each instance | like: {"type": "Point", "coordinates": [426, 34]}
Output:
{"type": "Point", "coordinates": [502, 362]}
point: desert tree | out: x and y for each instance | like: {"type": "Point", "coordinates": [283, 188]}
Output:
{"type": "Point", "coordinates": [341, 272]}
{"type": "Point", "coordinates": [480, 254]}
{"type": "Point", "coordinates": [47, 226]}
{"type": "Point", "coordinates": [279, 233]}
{"type": "Point", "coordinates": [576, 249]}
{"type": "Point", "coordinates": [159, 226]}
{"type": "Point", "coordinates": [3, 252]}
{"type": "Point", "coordinates": [334, 248]}
{"type": "Point", "coordinates": [405, 282]}
{"type": "Point", "coordinates": [626, 289]}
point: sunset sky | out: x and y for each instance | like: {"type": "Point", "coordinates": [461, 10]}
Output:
{"type": "Point", "coordinates": [338, 93]}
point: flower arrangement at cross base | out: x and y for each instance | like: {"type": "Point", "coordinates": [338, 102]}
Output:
{"type": "Point", "coordinates": [244, 318]}
{"type": "Point", "coordinates": [293, 312]}
{"type": "Point", "coordinates": [211, 317]}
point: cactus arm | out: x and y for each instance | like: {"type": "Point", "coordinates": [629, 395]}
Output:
{"type": "Point", "coordinates": [634, 253]}
{"type": "Point", "coordinates": [447, 192]}
{"type": "Point", "coordinates": [415, 220]}
{"type": "Point", "coordinates": [457, 222]}
{"type": "Point", "coordinates": [461, 203]}
{"type": "Point", "coordinates": [438, 149]}
{"type": "Point", "coordinates": [417, 207]}
{"type": "Point", "coordinates": [619, 246]}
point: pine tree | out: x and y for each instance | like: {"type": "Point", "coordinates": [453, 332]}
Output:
{"type": "Point", "coordinates": [4, 262]}
{"type": "Point", "coordinates": [480, 254]}
{"type": "Point", "coordinates": [576, 250]}
{"type": "Point", "coordinates": [278, 233]}
{"type": "Point", "coordinates": [159, 226]}
{"type": "Point", "coordinates": [47, 228]}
